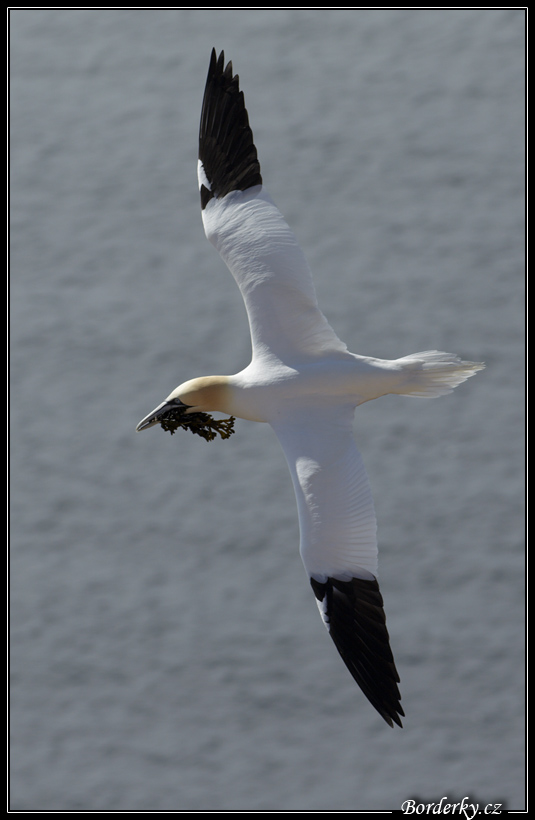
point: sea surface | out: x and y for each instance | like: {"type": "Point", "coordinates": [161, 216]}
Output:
{"type": "Point", "coordinates": [166, 650]}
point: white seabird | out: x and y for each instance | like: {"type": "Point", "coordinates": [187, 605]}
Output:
{"type": "Point", "coordinates": [303, 381]}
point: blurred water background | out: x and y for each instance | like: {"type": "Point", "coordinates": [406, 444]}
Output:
{"type": "Point", "coordinates": [166, 651]}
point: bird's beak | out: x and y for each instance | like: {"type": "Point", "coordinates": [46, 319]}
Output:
{"type": "Point", "coordinates": [159, 412]}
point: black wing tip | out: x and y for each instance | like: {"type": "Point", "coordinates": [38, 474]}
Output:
{"type": "Point", "coordinates": [356, 622]}
{"type": "Point", "coordinates": [226, 147]}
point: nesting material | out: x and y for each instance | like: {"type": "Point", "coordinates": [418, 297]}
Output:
{"type": "Point", "coordinates": [200, 423]}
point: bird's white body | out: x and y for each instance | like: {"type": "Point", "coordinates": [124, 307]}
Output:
{"type": "Point", "coordinates": [303, 381]}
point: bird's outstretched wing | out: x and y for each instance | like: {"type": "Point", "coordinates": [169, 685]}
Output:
{"type": "Point", "coordinates": [250, 233]}
{"type": "Point", "coordinates": [336, 515]}
{"type": "Point", "coordinates": [339, 547]}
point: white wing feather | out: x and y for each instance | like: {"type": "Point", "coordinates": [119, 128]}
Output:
{"type": "Point", "coordinates": [336, 513]}
{"type": "Point", "coordinates": [273, 275]}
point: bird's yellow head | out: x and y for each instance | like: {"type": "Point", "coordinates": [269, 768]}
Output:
{"type": "Point", "coordinates": [187, 407]}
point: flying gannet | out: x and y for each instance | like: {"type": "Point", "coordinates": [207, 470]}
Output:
{"type": "Point", "coordinates": [303, 381]}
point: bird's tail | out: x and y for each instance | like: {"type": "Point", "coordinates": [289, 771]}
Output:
{"type": "Point", "coordinates": [433, 373]}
